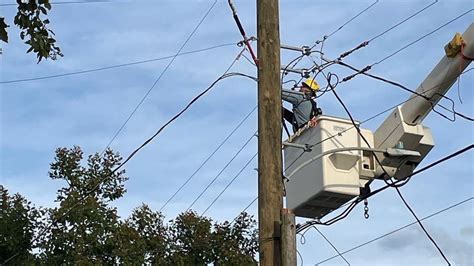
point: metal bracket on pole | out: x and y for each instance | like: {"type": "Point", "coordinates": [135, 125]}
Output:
{"type": "Point", "coordinates": [304, 147]}
{"type": "Point", "coordinates": [305, 73]}
{"type": "Point", "coordinates": [305, 50]}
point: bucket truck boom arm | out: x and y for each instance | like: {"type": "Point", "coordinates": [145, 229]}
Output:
{"type": "Point", "coordinates": [403, 127]}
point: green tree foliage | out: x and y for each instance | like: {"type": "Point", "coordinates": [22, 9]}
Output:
{"type": "Point", "coordinates": [142, 238]}
{"type": "Point", "coordinates": [82, 233]}
{"type": "Point", "coordinates": [34, 28]}
{"type": "Point", "coordinates": [237, 243]}
{"type": "Point", "coordinates": [194, 240]}
{"type": "Point", "coordinates": [84, 229]}
{"type": "Point", "coordinates": [190, 238]}
{"type": "Point", "coordinates": [18, 220]}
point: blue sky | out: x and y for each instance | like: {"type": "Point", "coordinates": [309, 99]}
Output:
{"type": "Point", "coordinates": [87, 109]}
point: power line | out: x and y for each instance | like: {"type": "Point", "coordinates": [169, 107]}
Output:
{"type": "Point", "coordinates": [446, 158]}
{"type": "Point", "coordinates": [398, 229]}
{"type": "Point", "coordinates": [386, 173]}
{"type": "Point", "coordinates": [327, 240]}
{"type": "Point", "coordinates": [371, 194]}
{"type": "Point", "coordinates": [350, 20]}
{"type": "Point", "coordinates": [403, 21]}
{"type": "Point", "coordinates": [209, 157]}
{"type": "Point", "coordinates": [75, 205]}
{"type": "Point", "coordinates": [162, 73]}
{"type": "Point", "coordinates": [325, 37]}
{"type": "Point", "coordinates": [230, 183]}
{"type": "Point", "coordinates": [365, 43]}
{"type": "Point", "coordinates": [380, 113]}
{"type": "Point", "coordinates": [330, 137]}
{"type": "Point", "coordinates": [369, 67]}
{"type": "Point", "coordinates": [115, 66]}
{"type": "Point", "coordinates": [245, 209]}
{"type": "Point", "coordinates": [422, 37]}
{"type": "Point", "coordinates": [174, 118]}
{"type": "Point", "coordinates": [452, 110]}
{"type": "Point", "coordinates": [221, 171]}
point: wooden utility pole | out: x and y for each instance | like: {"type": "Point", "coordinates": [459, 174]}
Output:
{"type": "Point", "coordinates": [288, 238]}
{"type": "Point", "coordinates": [270, 201]}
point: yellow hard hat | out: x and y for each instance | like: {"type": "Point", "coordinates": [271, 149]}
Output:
{"type": "Point", "coordinates": [312, 84]}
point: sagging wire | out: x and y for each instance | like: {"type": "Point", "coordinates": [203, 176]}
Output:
{"type": "Point", "coordinates": [75, 205]}
{"type": "Point", "coordinates": [451, 110]}
{"type": "Point", "coordinates": [369, 119]}
{"type": "Point", "coordinates": [459, 78]}
{"type": "Point", "coordinates": [302, 236]}
{"type": "Point", "coordinates": [85, 71]}
{"type": "Point", "coordinates": [374, 116]}
{"type": "Point", "coordinates": [327, 88]}
{"type": "Point", "coordinates": [301, 257]}
{"type": "Point", "coordinates": [301, 227]}
{"type": "Point", "coordinates": [162, 73]}
{"type": "Point", "coordinates": [291, 80]}
{"type": "Point", "coordinates": [398, 229]}
{"type": "Point", "coordinates": [388, 179]}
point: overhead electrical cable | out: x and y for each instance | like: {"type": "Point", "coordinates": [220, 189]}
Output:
{"type": "Point", "coordinates": [365, 43]}
{"type": "Point", "coordinates": [392, 183]}
{"type": "Point", "coordinates": [398, 229]}
{"type": "Point", "coordinates": [300, 228]}
{"type": "Point", "coordinates": [351, 19]}
{"type": "Point", "coordinates": [162, 73]}
{"type": "Point", "coordinates": [115, 66]}
{"type": "Point", "coordinates": [369, 67]}
{"type": "Point", "coordinates": [416, 94]}
{"type": "Point", "coordinates": [446, 158]}
{"type": "Point", "coordinates": [230, 183]}
{"type": "Point", "coordinates": [328, 241]}
{"type": "Point", "coordinates": [422, 37]}
{"type": "Point", "coordinates": [403, 21]}
{"type": "Point", "coordinates": [174, 118]}
{"type": "Point", "coordinates": [209, 157]}
{"type": "Point", "coordinates": [387, 175]}
{"type": "Point", "coordinates": [330, 137]}
{"type": "Point", "coordinates": [375, 116]}
{"type": "Point", "coordinates": [325, 37]}
{"type": "Point", "coordinates": [97, 186]}
{"type": "Point", "coordinates": [221, 171]}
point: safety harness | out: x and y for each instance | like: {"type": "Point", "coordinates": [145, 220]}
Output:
{"type": "Point", "coordinates": [315, 111]}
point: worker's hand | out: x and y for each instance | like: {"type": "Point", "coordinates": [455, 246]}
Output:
{"type": "Point", "coordinates": [313, 122]}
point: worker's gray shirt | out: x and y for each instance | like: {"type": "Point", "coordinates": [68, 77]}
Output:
{"type": "Point", "coordinates": [302, 105]}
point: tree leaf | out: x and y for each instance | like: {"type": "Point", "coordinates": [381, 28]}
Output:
{"type": "Point", "coordinates": [43, 10]}
{"type": "Point", "coordinates": [3, 30]}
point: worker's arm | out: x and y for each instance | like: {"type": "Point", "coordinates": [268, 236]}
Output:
{"type": "Point", "coordinates": [293, 97]}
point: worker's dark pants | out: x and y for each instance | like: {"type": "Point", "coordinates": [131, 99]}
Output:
{"type": "Point", "coordinates": [290, 117]}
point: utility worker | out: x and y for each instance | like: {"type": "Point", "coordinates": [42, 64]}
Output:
{"type": "Point", "coordinates": [304, 107]}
